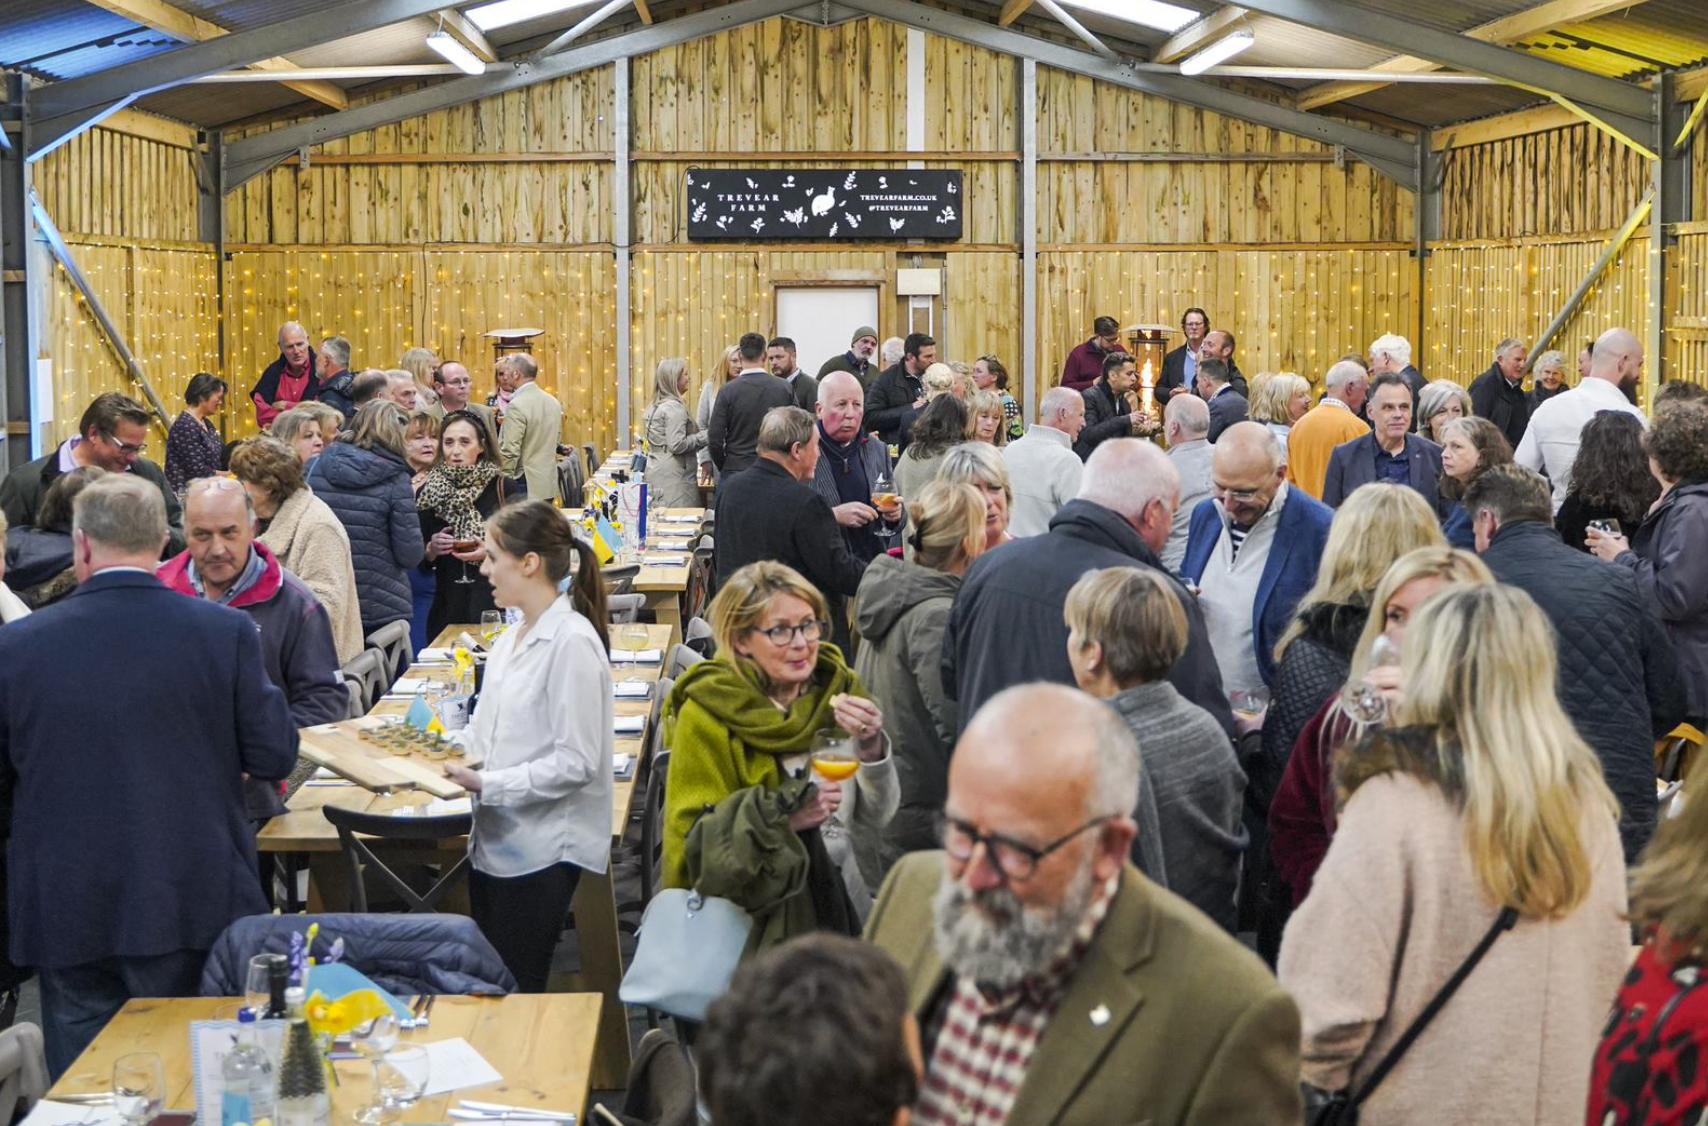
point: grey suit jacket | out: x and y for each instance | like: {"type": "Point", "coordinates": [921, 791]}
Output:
{"type": "Point", "coordinates": [1168, 1021]}
{"type": "Point", "coordinates": [1354, 463]}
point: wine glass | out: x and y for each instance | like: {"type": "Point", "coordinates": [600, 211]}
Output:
{"type": "Point", "coordinates": [834, 760]}
{"type": "Point", "coordinates": [400, 1079]}
{"type": "Point", "coordinates": [139, 1087]}
{"type": "Point", "coordinates": [463, 543]}
{"type": "Point", "coordinates": [491, 625]}
{"type": "Point", "coordinates": [372, 1041]}
{"type": "Point", "coordinates": [884, 496]}
{"type": "Point", "coordinates": [1363, 702]}
{"type": "Point", "coordinates": [632, 637]}
{"type": "Point", "coordinates": [1249, 702]}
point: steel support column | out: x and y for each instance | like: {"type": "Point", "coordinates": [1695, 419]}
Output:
{"type": "Point", "coordinates": [17, 355]}
{"type": "Point", "coordinates": [1029, 238]}
{"type": "Point", "coordinates": [1426, 213]}
{"type": "Point", "coordinates": [1670, 185]}
{"type": "Point", "coordinates": [210, 222]}
{"type": "Point", "coordinates": [620, 220]}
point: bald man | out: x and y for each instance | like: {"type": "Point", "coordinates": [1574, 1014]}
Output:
{"type": "Point", "coordinates": [1550, 443]}
{"type": "Point", "coordinates": [1006, 626]}
{"type": "Point", "coordinates": [288, 380]}
{"type": "Point", "coordinates": [1033, 901]}
{"type": "Point", "coordinates": [849, 460]}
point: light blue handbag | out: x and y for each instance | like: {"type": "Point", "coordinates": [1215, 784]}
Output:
{"type": "Point", "coordinates": [687, 949]}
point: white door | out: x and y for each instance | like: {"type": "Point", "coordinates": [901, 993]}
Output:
{"type": "Point", "coordinates": [821, 319]}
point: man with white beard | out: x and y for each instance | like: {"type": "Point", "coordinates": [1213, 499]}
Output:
{"type": "Point", "coordinates": [1063, 987]}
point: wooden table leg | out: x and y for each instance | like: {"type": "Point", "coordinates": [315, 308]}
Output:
{"type": "Point", "coordinates": [601, 972]}
{"type": "Point", "coordinates": [666, 608]}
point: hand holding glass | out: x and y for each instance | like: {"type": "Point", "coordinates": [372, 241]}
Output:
{"type": "Point", "coordinates": [1363, 702]}
{"type": "Point", "coordinates": [834, 759]}
{"type": "Point", "coordinates": [886, 500]}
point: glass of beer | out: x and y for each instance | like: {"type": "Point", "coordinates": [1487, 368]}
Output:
{"type": "Point", "coordinates": [834, 760]}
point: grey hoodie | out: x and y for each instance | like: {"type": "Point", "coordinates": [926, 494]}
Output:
{"type": "Point", "coordinates": [900, 612]}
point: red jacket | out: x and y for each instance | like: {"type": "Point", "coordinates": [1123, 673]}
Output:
{"type": "Point", "coordinates": [1648, 1069]}
{"type": "Point", "coordinates": [1302, 816]}
{"type": "Point", "coordinates": [1085, 364]}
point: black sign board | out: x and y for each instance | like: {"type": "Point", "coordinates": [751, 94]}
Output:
{"type": "Point", "coordinates": [841, 204]}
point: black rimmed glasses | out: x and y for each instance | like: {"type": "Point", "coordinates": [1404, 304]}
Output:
{"type": "Point", "coordinates": [1014, 859]}
{"type": "Point", "coordinates": [785, 635]}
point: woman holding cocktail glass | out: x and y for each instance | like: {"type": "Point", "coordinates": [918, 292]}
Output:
{"type": "Point", "coordinates": [463, 487]}
{"type": "Point", "coordinates": [778, 707]}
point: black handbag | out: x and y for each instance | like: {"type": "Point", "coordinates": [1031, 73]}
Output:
{"type": "Point", "coordinates": [1340, 1108]}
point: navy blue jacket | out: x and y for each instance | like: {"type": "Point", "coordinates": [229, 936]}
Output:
{"type": "Point", "coordinates": [1353, 463]}
{"type": "Point", "coordinates": [1006, 628]}
{"type": "Point", "coordinates": [369, 492]}
{"type": "Point", "coordinates": [403, 954]}
{"type": "Point", "coordinates": [122, 773]}
{"type": "Point", "coordinates": [1288, 573]}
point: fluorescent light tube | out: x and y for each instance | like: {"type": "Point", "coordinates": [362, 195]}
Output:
{"type": "Point", "coordinates": [1147, 13]}
{"type": "Point", "coordinates": [503, 13]}
{"type": "Point", "coordinates": [455, 53]}
{"type": "Point", "coordinates": [1218, 52]}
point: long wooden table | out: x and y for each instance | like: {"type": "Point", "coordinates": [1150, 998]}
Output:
{"type": "Point", "coordinates": [665, 587]}
{"type": "Point", "coordinates": [304, 828]}
{"type": "Point", "coordinates": [541, 1043]}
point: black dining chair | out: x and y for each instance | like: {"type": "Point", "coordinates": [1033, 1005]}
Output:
{"type": "Point", "coordinates": [362, 859]}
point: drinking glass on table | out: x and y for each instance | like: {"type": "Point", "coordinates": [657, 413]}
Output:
{"type": "Point", "coordinates": [885, 498]}
{"type": "Point", "coordinates": [139, 1087]}
{"type": "Point", "coordinates": [834, 759]}
{"type": "Point", "coordinates": [1363, 702]}
{"type": "Point", "coordinates": [256, 989]}
{"type": "Point", "coordinates": [372, 1041]}
{"type": "Point", "coordinates": [400, 1079]}
{"type": "Point", "coordinates": [491, 625]}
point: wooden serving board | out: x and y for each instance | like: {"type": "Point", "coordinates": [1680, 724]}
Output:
{"type": "Point", "coordinates": [339, 748]}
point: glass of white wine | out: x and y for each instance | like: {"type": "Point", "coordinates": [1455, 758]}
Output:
{"type": "Point", "coordinates": [491, 625]}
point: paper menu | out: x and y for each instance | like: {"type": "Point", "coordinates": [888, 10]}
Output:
{"type": "Point", "coordinates": [453, 1065]}
{"type": "Point", "coordinates": [46, 1113]}
{"type": "Point", "coordinates": [210, 1042]}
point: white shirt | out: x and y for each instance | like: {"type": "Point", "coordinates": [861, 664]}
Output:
{"type": "Point", "coordinates": [11, 606]}
{"type": "Point", "coordinates": [543, 735]}
{"type": "Point", "coordinates": [1550, 443]}
{"type": "Point", "coordinates": [1044, 473]}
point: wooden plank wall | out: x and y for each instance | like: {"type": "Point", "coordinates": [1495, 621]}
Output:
{"type": "Point", "coordinates": [1687, 332]}
{"type": "Point", "coordinates": [119, 185]}
{"type": "Point", "coordinates": [1556, 182]}
{"type": "Point", "coordinates": [163, 297]}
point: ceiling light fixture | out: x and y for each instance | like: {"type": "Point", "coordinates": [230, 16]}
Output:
{"type": "Point", "coordinates": [503, 13]}
{"type": "Point", "coordinates": [1218, 52]}
{"type": "Point", "coordinates": [1146, 13]}
{"type": "Point", "coordinates": [455, 53]}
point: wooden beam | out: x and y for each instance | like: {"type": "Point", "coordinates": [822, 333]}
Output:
{"type": "Point", "coordinates": [186, 28]}
{"type": "Point", "coordinates": [1011, 11]}
{"type": "Point", "coordinates": [150, 128]}
{"type": "Point", "coordinates": [1199, 35]}
{"type": "Point", "coordinates": [643, 10]}
{"type": "Point", "coordinates": [1507, 29]}
{"type": "Point", "coordinates": [458, 27]}
{"type": "Point", "coordinates": [1514, 124]}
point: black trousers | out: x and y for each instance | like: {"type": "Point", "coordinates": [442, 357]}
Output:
{"type": "Point", "coordinates": [522, 917]}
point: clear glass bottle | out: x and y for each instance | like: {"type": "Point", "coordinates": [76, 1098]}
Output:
{"type": "Point", "coordinates": [303, 1099]}
{"type": "Point", "coordinates": [247, 1089]}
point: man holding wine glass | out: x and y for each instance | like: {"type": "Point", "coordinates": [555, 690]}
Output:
{"type": "Point", "coordinates": [854, 475]}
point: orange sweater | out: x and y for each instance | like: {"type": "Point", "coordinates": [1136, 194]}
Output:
{"type": "Point", "coordinates": [1314, 438]}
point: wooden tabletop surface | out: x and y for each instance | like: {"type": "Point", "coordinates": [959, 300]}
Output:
{"type": "Point", "coordinates": [303, 828]}
{"type": "Point", "coordinates": [541, 1043]}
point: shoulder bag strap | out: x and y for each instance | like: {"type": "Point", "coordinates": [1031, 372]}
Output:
{"type": "Point", "coordinates": [1505, 921]}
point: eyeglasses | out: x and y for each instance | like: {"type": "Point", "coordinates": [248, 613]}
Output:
{"type": "Point", "coordinates": [125, 447]}
{"type": "Point", "coordinates": [785, 635]}
{"type": "Point", "coordinates": [1244, 496]}
{"type": "Point", "coordinates": [1016, 861]}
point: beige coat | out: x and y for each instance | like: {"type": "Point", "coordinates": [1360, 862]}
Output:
{"type": "Point", "coordinates": [1168, 1021]}
{"type": "Point", "coordinates": [312, 545]}
{"type": "Point", "coordinates": [1393, 911]}
{"type": "Point", "coordinates": [672, 440]}
{"type": "Point", "coordinates": [527, 443]}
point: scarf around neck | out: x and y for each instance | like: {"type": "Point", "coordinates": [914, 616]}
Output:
{"type": "Point", "coordinates": [732, 696]}
{"type": "Point", "coordinates": [452, 493]}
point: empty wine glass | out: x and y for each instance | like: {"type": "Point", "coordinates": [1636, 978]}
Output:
{"type": "Point", "coordinates": [1362, 701]}
{"type": "Point", "coordinates": [400, 1079]}
{"type": "Point", "coordinates": [139, 1087]}
{"type": "Point", "coordinates": [372, 1041]}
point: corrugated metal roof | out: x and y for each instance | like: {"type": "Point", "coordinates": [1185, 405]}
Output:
{"type": "Point", "coordinates": [69, 38]}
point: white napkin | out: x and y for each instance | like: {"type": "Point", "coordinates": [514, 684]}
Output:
{"type": "Point", "coordinates": [629, 724]}
{"type": "Point", "coordinates": [637, 657]}
{"type": "Point", "coordinates": [666, 560]}
{"type": "Point", "coordinates": [432, 656]}
{"type": "Point", "coordinates": [674, 545]}
{"type": "Point", "coordinates": [631, 690]}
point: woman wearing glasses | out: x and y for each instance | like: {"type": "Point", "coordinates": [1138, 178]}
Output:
{"type": "Point", "coordinates": [741, 728]}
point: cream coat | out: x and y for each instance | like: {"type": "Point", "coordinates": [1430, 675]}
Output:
{"type": "Point", "coordinates": [310, 542]}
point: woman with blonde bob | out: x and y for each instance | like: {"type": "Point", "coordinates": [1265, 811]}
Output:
{"type": "Point", "coordinates": [1302, 816]}
{"type": "Point", "coordinates": [1126, 631]}
{"type": "Point", "coordinates": [1634, 1077]}
{"type": "Point", "coordinates": [672, 440]}
{"type": "Point", "coordinates": [985, 419]}
{"type": "Point", "coordinates": [740, 728]}
{"type": "Point", "coordinates": [1278, 401]}
{"type": "Point", "coordinates": [1480, 809]}
{"type": "Point", "coordinates": [901, 611]}
{"type": "Point", "coordinates": [977, 463]}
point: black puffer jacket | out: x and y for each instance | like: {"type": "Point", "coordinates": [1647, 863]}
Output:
{"type": "Point", "coordinates": [1314, 667]}
{"type": "Point", "coordinates": [368, 490]}
{"type": "Point", "coordinates": [1619, 679]}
